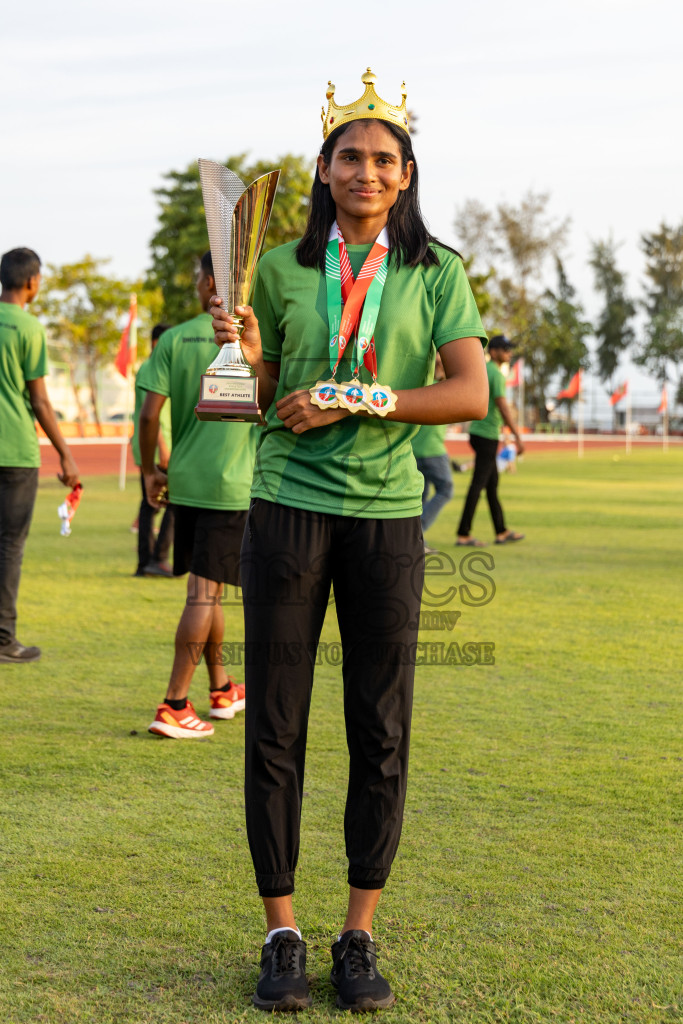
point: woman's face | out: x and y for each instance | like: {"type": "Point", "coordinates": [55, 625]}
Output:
{"type": "Point", "coordinates": [365, 172]}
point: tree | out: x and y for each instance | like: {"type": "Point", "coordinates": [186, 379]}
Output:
{"type": "Point", "coordinates": [479, 283]}
{"type": "Point", "coordinates": [181, 237]}
{"type": "Point", "coordinates": [662, 346]}
{"type": "Point", "coordinates": [516, 240]}
{"type": "Point", "coordinates": [556, 342]}
{"type": "Point", "coordinates": [514, 244]}
{"type": "Point", "coordinates": [84, 311]}
{"type": "Point", "coordinates": [529, 237]}
{"type": "Point", "coordinates": [613, 330]}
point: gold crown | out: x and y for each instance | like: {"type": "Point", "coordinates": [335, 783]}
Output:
{"type": "Point", "coordinates": [369, 105]}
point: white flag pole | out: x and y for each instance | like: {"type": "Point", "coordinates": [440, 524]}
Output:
{"type": "Point", "coordinates": [125, 440]}
{"type": "Point", "coordinates": [580, 416]}
{"type": "Point", "coordinates": [520, 397]}
{"type": "Point", "coordinates": [132, 347]}
{"type": "Point", "coordinates": [628, 421]}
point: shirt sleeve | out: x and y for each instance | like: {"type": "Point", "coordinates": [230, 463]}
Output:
{"type": "Point", "coordinates": [271, 336]}
{"type": "Point", "coordinates": [155, 373]}
{"type": "Point", "coordinates": [34, 354]}
{"type": "Point", "coordinates": [455, 310]}
{"type": "Point", "coordinates": [497, 384]}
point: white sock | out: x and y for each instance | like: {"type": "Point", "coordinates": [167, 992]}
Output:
{"type": "Point", "coordinates": [360, 930]}
{"type": "Point", "coordinates": [271, 935]}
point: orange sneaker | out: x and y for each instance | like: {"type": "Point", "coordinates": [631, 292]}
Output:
{"type": "Point", "coordinates": [226, 703]}
{"type": "Point", "coordinates": [180, 725]}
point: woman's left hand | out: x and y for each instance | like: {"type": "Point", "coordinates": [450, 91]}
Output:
{"type": "Point", "coordinates": [298, 413]}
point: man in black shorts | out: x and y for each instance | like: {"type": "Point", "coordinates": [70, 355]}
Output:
{"type": "Point", "coordinates": [209, 479]}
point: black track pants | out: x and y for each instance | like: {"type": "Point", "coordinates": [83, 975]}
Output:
{"type": "Point", "coordinates": [290, 558]}
{"type": "Point", "coordinates": [485, 475]}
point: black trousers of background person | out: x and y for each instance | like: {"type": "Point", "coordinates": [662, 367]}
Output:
{"type": "Point", "coordinates": [150, 549]}
{"type": "Point", "coordinates": [484, 475]}
{"type": "Point", "coordinates": [290, 558]}
{"type": "Point", "coordinates": [18, 488]}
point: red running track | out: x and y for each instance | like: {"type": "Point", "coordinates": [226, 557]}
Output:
{"type": "Point", "coordinates": [102, 458]}
{"type": "Point", "coordinates": [94, 458]}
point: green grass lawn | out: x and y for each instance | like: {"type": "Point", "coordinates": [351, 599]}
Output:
{"type": "Point", "coordinates": [540, 874]}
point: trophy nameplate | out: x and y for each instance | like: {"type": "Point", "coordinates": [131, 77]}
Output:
{"type": "Point", "coordinates": [222, 397]}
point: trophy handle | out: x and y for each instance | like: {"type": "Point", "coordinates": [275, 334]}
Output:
{"type": "Point", "coordinates": [250, 219]}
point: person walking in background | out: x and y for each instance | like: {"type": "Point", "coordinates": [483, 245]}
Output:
{"type": "Point", "coordinates": [429, 449]}
{"type": "Point", "coordinates": [209, 479]}
{"type": "Point", "coordinates": [432, 460]}
{"type": "Point", "coordinates": [484, 436]}
{"type": "Point", "coordinates": [23, 397]}
{"type": "Point", "coordinates": [152, 552]}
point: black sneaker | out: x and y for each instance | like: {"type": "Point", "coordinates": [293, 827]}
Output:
{"type": "Point", "coordinates": [282, 982]}
{"type": "Point", "coordinates": [360, 987]}
{"type": "Point", "coordinates": [15, 653]}
{"type": "Point", "coordinates": [157, 569]}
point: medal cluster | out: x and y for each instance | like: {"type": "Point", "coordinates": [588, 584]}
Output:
{"type": "Point", "coordinates": [352, 310]}
{"type": "Point", "coordinates": [354, 395]}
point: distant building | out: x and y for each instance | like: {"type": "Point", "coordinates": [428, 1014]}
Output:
{"type": "Point", "coordinates": [644, 418]}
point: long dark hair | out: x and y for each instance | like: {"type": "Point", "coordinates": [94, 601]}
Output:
{"type": "Point", "coordinates": [409, 240]}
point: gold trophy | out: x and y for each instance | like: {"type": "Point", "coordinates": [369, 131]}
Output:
{"type": "Point", "coordinates": [237, 219]}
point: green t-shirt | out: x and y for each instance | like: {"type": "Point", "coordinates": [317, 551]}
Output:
{"type": "Point", "coordinates": [358, 466]}
{"type": "Point", "coordinates": [23, 356]}
{"type": "Point", "coordinates": [430, 441]}
{"type": "Point", "coordinates": [493, 421]}
{"type": "Point", "coordinates": [164, 416]}
{"type": "Point", "coordinates": [211, 462]}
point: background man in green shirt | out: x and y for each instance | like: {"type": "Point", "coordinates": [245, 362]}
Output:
{"type": "Point", "coordinates": [209, 479]}
{"type": "Point", "coordinates": [152, 553]}
{"type": "Point", "coordinates": [23, 397]}
{"type": "Point", "coordinates": [484, 440]}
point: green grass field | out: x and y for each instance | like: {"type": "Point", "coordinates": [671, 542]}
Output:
{"type": "Point", "coordinates": [539, 876]}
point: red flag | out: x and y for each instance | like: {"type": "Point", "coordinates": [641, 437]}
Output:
{"type": "Point", "coordinates": [664, 404]}
{"type": "Point", "coordinates": [515, 378]}
{"type": "Point", "coordinates": [619, 393]}
{"type": "Point", "coordinates": [67, 509]}
{"type": "Point", "coordinates": [129, 339]}
{"type": "Point", "coordinates": [573, 388]}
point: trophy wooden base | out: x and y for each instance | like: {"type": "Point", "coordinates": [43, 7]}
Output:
{"type": "Point", "coordinates": [230, 399]}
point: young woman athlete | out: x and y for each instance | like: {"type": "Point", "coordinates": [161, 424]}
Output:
{"type": "Point", "coordinates": [336, 501]}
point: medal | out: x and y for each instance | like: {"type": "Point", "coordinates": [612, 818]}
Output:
{"type": "Point", "coordinates": [324, 394]}
{"type": "Point", "coordinates": [352, 395]}
{"type": "Point", "coordinates": [381, 399]}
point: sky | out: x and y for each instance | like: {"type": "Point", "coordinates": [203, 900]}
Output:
{"type": "Point", "coordinates": [583, 101]}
